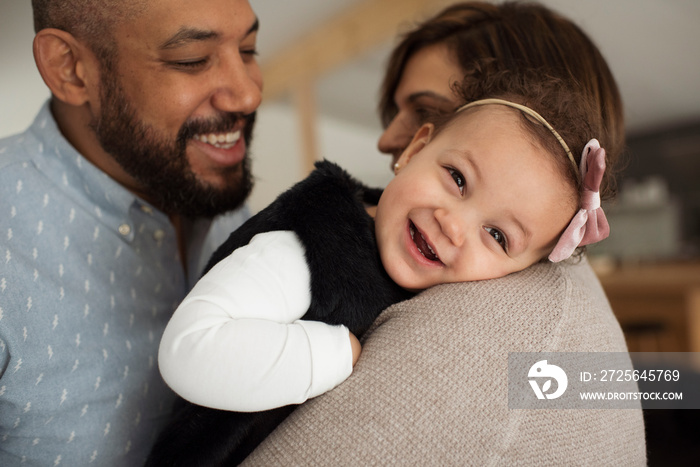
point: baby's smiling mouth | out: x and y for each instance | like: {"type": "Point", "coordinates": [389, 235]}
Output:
{"type": "Point", "coordinates": [421, 243]}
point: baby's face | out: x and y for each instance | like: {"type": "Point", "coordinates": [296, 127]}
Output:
{"type": "Point", "coordinates": [479, 201]}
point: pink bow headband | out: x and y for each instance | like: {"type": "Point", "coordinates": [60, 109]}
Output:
{"type": "Point", "coordinates": [589, 225]}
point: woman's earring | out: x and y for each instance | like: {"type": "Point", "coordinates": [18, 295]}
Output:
{"type": "Point", "coordinates": [397, 166]}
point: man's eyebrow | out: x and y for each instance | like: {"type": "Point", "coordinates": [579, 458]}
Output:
{"type": "Point", "coordinates": [254, 27]}
{"type": "Point", "coordinates": [188, 35]}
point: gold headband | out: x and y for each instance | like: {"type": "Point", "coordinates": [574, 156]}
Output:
{"type": "Point", "coordinates": [528, 111]}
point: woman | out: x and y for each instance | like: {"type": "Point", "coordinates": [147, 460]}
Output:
{"type": "Point", "coordinates": [432, 384]}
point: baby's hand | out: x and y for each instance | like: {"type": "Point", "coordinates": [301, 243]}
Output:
{"type": "Point", "coordinates": [356, 348]}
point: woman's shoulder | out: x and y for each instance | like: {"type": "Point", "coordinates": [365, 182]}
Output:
{"type": "Point", "coordinates": [552, 307]}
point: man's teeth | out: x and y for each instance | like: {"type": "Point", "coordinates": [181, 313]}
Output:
{"type": "Point", "coordinates": [220, 140]}
{"type": "Point", "coordinates": [433, 255]}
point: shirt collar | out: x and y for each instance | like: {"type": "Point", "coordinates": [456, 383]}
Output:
{"type": "Point", "coordinates": [89, 186]}
{"type": "Point", "coordinates": [111, 203]}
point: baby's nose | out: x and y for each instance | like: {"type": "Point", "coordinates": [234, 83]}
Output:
{"type": "Point", "coordinates": [452, 225]}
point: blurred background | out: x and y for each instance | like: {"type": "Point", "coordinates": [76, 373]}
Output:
{"type": "Point", "coordinates": [323, 61]}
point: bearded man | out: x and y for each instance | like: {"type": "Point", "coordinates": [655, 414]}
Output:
{"type": "Point", "coordinates": [112, 202]}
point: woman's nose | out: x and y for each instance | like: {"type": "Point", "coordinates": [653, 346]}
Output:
{"type": "Point", "coordinates": [395, 138]}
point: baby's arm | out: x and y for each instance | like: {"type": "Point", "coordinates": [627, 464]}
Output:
{"type": "Point", "coordinates": [236, 342]}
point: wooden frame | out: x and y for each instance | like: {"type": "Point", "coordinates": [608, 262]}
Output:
{"type": "Point", "coordinates": [362, 27]}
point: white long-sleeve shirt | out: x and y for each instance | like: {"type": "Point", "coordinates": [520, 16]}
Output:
{"type": "Point", "coordinates": [237, 342]}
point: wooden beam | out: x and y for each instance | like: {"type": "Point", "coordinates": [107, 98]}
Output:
{"type": "Point", "coordinates": [304, 97]}
{"type": "Point", "coordinates": [365, 25]}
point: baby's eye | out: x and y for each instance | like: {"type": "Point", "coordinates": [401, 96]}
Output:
{"type": "Point", "coordinates": [498, 236]}
{"type": "Point", "coordinates": [458, 178]}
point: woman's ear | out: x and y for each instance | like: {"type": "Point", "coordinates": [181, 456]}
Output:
{"type": "Point", "coordinates": [64, 64]}
{"type": "Point", "coordinates": [420, 139]}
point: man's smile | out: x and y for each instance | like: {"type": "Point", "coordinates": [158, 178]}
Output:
{"type": "Point", "coordinates": [219, 140]}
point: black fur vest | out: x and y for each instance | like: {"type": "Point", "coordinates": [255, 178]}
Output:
{"type": "Point", "coordinates": [348, 286]}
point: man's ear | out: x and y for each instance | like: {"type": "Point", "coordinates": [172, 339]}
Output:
{"type": "Point", "coordinates": [65, 65]}
{"type": "Point", "coordinates": [420, 139]}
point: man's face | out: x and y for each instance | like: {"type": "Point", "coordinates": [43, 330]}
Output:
{"type": "Point", "coordinates": [177, 106]}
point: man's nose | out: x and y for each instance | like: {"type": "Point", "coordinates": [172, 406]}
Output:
{"type": "Point", "coordinates": [239, 87]}
{"type": "Point", "coordinates": [452, 224]}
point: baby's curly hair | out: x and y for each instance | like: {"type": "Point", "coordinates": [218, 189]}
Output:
{"type": "Point", "coordinates": [560, 102]}
{"type": "Point", "coordinates": [566, 109]}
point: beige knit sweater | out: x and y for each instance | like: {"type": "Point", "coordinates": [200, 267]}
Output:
{"type": "Point", "coordinates": [431, 386]}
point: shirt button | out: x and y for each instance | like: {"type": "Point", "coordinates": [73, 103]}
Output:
{"type": "Point", "coordinates": [125, 229]}
{"type": "Point", "coordinates": [158, 235]}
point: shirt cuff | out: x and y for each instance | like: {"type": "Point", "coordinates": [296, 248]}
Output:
{"type": "Point", "coordinates": [331, 355]}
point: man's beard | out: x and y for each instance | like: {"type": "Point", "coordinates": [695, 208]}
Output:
{"type": "Point", "coordinates": [160, 165]}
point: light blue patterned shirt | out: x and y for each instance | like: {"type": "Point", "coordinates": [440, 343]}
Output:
{"type": "Point", "coordinates": [89, 276]}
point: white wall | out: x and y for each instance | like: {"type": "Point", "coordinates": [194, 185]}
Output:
{"type": "Point", "coordinates": [276, 147]}
{"type": "Point", "coordinates": [276, 152]}
{"type": "Point", "coordinates": [22, 92]}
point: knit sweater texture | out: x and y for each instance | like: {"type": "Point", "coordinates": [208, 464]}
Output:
{"type": "Point", "coordinates": [431, 386]}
